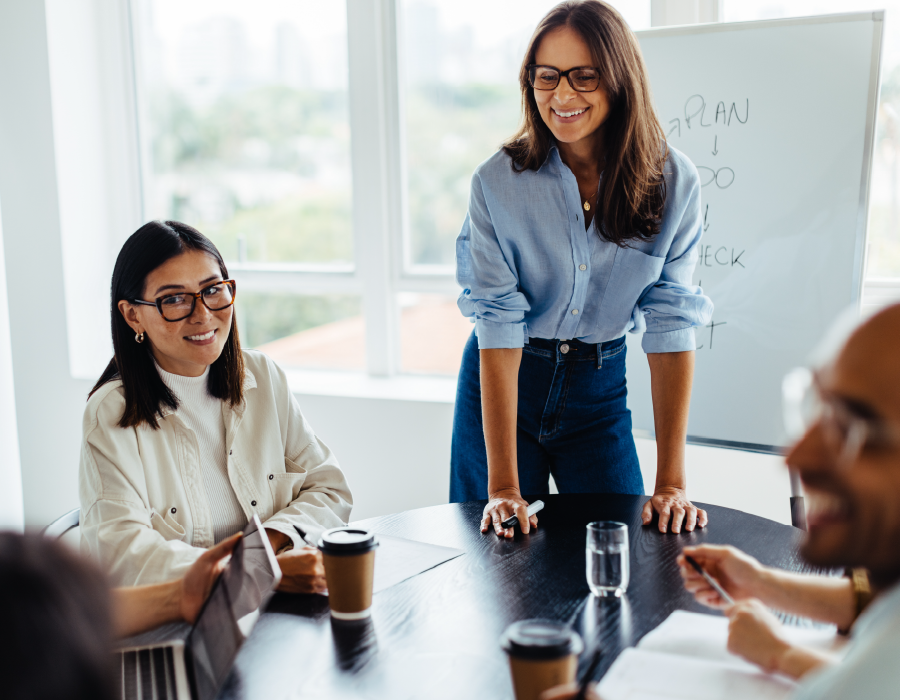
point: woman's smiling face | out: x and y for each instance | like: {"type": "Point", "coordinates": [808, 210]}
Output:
{"type": "Point", "coordinates": [571, 116]}
{"type": "Point", "coordinates": [189, 346]}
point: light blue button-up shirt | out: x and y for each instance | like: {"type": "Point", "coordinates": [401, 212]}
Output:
{"type": "Point", "coordinates": [529, 269]}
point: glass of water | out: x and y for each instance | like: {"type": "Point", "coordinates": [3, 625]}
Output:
{"type": "Point", "coordinates": [607, 558]}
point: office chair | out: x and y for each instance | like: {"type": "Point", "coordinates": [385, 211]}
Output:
{"type": "Point", "coordinates": [62, 525]}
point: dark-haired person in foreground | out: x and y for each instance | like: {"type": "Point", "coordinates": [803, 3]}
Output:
{"type": "Point", "coordinates": [849, 461]}
{"type": "Point", "coordinates": [583, 227]}
{"type": "Point", "coordinates": [58, 625]}
{"type": "Point", "coordinates": [186, 435]}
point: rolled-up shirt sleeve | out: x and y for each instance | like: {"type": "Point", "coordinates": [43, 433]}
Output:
{"type": "Point", "coordinates": [673, 307]}
{"type": "Point", "coordinates": [490, 295]}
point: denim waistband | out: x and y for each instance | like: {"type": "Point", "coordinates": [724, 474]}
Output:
{"type": "Point", "coordinates": [574, 350]}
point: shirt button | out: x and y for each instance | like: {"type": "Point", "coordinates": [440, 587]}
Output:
{"type": "Point", "coordinates": [564, 348]}
{"type": "Point", "coordinates": [271, 476]}
{"type": "Point", "coordinates": [574, 312]}
{"type": "Point", "coordinates": [229, 451]}
{"type": "Point", "coordinates": [174, 510]}
{"type": "Point", "coordinates": [582, 267]}
{"type": "Point", "coordinates": [253, 503]}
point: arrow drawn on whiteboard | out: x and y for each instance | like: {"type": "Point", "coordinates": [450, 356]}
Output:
{"type": "Point", "coordinates": [677, 126]}
{"type": "Point", "coordinates": [705, 216]}
{"type": "Point", "coordinates": [716, 146]}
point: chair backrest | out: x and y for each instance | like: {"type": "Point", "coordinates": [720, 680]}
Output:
{"type": "Point", "coordinates": [62, 525]}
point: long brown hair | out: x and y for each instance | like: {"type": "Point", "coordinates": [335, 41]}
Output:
{"type": "Point", "coordinates": [632, 191]}
{"type": "Point", "coordinates": [145, 392]}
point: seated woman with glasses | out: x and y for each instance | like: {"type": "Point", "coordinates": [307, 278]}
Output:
{"type": "Point", "coordinates": [186, 435]}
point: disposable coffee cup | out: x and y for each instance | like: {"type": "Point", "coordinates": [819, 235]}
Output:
{"type": "Point", "coordinates": [542, 654]}
{"type": "Point", "coordinates": [349, 557]}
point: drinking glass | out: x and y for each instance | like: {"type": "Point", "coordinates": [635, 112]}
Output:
{"type": "Point", "coordinates": [607, 558]}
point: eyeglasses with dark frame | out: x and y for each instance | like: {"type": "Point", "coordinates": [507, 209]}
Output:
{"type": "Point", "coordinates": [177, 307]}
{"type": "Point", "coordinates": [581, 78]}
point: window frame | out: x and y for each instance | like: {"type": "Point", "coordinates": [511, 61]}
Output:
{"type": "Point", "coordinates": [382, 266]}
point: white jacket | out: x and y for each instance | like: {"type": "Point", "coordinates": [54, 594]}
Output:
{"type": "Point", "coordinates": [145, 516]}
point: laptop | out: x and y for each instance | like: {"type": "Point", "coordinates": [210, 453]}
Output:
{"type": "Point", "coordinates": [191, 662]}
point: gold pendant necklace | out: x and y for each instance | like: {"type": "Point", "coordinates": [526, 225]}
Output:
{"type": "Point", "coordinates": [587, 206]}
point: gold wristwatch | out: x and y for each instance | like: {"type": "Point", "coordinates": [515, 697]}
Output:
{"type": "Point", "coordinates": [862, 593]}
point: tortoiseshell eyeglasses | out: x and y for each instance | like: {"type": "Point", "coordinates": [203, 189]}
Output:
{"type": "Point", "coordinates": [177, 307]}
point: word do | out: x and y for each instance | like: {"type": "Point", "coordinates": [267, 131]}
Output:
{"type": "Point", "coordinates": [723, 177]}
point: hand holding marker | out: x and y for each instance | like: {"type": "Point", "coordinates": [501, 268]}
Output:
{"type": "Point", "coordinates": [532, 509]}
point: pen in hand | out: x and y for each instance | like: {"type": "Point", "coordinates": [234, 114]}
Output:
{"type": "Point", "coordinates": [303, 537]}
{"type": "Point", "coordinates": [710, 580]}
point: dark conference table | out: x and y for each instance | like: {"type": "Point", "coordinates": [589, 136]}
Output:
{"type": "Point", "coordinates": [436, 635]}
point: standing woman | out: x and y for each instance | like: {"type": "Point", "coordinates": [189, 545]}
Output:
{"type": "Point", "coordinates": [584, 225]}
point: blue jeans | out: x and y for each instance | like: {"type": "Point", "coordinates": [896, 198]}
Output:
{"type": "Point", "coordinates": [573, 422]}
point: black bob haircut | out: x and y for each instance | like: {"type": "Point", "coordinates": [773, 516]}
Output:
{"type": "Point", "coordinates": [145, 392]}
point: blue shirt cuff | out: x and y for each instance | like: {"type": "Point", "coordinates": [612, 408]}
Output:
{"type": "Point", "coordinates": [680, 340]}
{"type": "Point", "coordinates": [492, 334]}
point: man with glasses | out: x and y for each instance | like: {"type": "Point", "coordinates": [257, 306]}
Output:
{"type": "Point", "coordinates": [848, 459]}
{"type": "Point", "coordinates": [849, 462]}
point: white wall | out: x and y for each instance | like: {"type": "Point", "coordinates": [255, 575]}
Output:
{"type": "Point", "coordinates": [396, 453]}
{"type": "Point", "coordinates": [753, 483]}
{"type": "Point", "coordinates": [97, 165]}
{"type": "Point", "coordinates": [48, 401]}
{"type": "Point", "coordinates": [12, 514]}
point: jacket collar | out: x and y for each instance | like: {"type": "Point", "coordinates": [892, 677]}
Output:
{"type": "Point", "coordinates": [249, 383]}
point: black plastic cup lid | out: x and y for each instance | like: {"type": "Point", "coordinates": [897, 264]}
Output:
{"type": "Point", "coordinates": [347, 540]}
{"type": "Point", "coordinates": [540, 639]}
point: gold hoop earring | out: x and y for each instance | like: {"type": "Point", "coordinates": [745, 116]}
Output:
{"type": "Point", "coordinates": [139, 337]}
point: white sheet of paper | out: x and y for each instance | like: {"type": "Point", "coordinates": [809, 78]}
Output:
{"type": "Point", "coordinates": [639, 674]}
{"type": "Point", "coordinates": [687, 657]}
{"type": "Point", "coordinates": [706, 637]}
{"type": "Point", "coordinates": [398, 559]}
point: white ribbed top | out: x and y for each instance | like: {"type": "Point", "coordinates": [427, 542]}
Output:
{"type": "Point", "coordinates": [202, 413]}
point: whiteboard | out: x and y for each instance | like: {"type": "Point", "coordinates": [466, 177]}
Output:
{"type": "Point", "coordinates": [778, 116]}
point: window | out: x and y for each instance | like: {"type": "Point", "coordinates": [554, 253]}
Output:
{"type": "Point", "coordinates": [245, 116]}
{"type": "Point", "coordinates": [884, 193]}
{"type": "Point", "coordinates": [246, 136]}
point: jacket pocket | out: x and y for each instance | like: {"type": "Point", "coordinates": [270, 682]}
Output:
{"type": "Point", "coordinates": [167, 526]}
{"type": "Point", "coordinates": [285, 488]}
